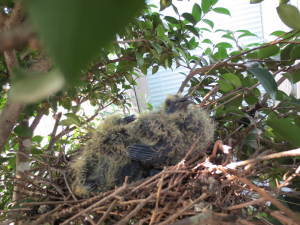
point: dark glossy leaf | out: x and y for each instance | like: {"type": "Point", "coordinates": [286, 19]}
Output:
{"type": "Point", "coordinates": [66, 103]}
{"type": "Point", "coordinates": [209, 22]}
{"type": "Point", "coordinates": [192, 29]}
{"type": "Point", "coordinates": [155, 53]}
{"type": "Point", "coordinates": [224, 45]}
{"type": "Point", "coordinates": [296, 76]}
{"type": "Point", "coordinates": [38, 139]}
{"type": "Point", "coordinates": [286, 129]}
{"type": "Point", "coordinates": [53, 104]}
{"type": "Point", "coordinates": [156, 46]}
{"type": "Point", "coordinates": [23, 131]}
{"type": "Point", "coordinates": [205, 5]}
{"type": "Point", "coordinates": [189, 17]}
{"type": "Point", "coordinates": [140, 59]}
{"type": "Point", "coordinates": [171, 19]}
{"type": "Point", "coordinates": [225, 86]}
{"type": "Point", "coordinates": [295, 53]}
{"type": "Point", "coordinates": [247, 35]}
{"type": "Point", "coordinates": [79, 29]}
{"type": "Point", "coordinates": [213, 2]}
{"type": "Point", "coordinates": [29, 109]}
{"type": "Point", "coordinates": [66, 122]}
{"type": "Point", "coordinates": [267, 81]}
{"type": "Point", "coordinates": [160, 31]}
{"type": "Point", "coordinates": [72, 117]}
{"type": "Point", "coordinates": [268, 51]}
{"type": "Point", "coordinates": [222, 11]}
{"type": "Point", "coordinates": [196, 12]}
{"type": "Point", "coordinates": [289, 15]}
{"type": "Point", "coordinates": [154, 69]}
{"type": "Point", "coordinates": [232, 109]}
{"type": "Point", "coordinates": [30, 87]}
{"type": "Point", "coordinates": [277, 33]}
{"type": "Point", "coordinates": [129, 78]}
{"type": "Point", "coordinates": [222, 53]}
{"type": "Point", "coordinates": [113, 87]}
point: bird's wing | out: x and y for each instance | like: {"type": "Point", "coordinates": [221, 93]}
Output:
{"type": "Point", "coordinates": [148, 154]}
{"type": "Point", "coordinates": [132, 170]}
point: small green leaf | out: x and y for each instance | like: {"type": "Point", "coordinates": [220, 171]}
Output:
{"type": "Point", "coordinates": [72, 117]}
{"type": "Point", "coordinates": [74, 36]}
{"type": "Point", "coordinates": [207, 41]}
{"type": "Point", "coordinates": [155, 53]}
{"type": "Point", "coordinates": [30, 87]}
{"type": "Point", "coordinates": [154, 69]}
{"type": "Point", "coordinates": [247, 35]}
{"type": "Point", "coordinates": [277, 33]}
{"type": "Point", "coordinates": [267, 81]}
{"type": "Point", "coordinates": [171, 19]}
{"type": "Point", "coordinates": [140, 59]}
{"type": "Point", "coordinates": [222, 11]}
{"type": "Point", "coordinates": [29, 109]}
{"type": "Point", "coordinates": [295, 54]}
{"type": "Point", "coordinates": [113, 87]}
{"type": "Point", "coordinates": [160, 31]}
{"type": "Point", "coordinates": [232, 78]}
{"type": "Point", "coordinates": [65, 122]}
{"type": "Point", "coordinates": [289, 15]}
{"type": "Point", "coordinates": [23, 131]}
{"type": "Point", "coordinates": [232, 109]}
{"type": "Point", "coordinates": [196, 12]}
{"type": "Point", "coordinates": [156, 46]}
{"type": "Point", "coordinates": [268, 51]}
{"type": "Point", "coordinates": [129, 78]}
{"type": "Point", "coordinates": [229, 37]}
{"type": "Point", "coordinates": [225, 86]}
{"type": "Point", "coordinates": [38, 139]}
{"type": "Point", "coordinates": [213, 2]}
{"type": "Point", "coordinates": [222, 53]}
{"type": "Point", "coordinates": [205, 5]}
{"type": "Point", "coordinates": [286, 129]}
{"type": "Point", "coordinates": [209, 22]}
{"type": "Point", "coordinates": [192, 29]}
{"type": "Point", "coordinates": [189, 17]}
{"type": "Point", "coordinates": [224, 45]}
{"type": "Point", "coordinates": [67, 103]}
{"type": "Point", "coordinates": [255, 1]}
{"type": "Point", "coordinates": [165, 4]}
{"type": "Point", "coordinates": [296, 76]}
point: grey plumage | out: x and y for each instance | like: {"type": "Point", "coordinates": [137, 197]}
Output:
{"type": "Point", "coordinates": [155, 140]}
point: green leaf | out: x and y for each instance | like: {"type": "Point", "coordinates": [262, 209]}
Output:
{"type": "Point", "coordinates": [205, 5]}
{"type": "Point", "coordinates": [196, 12]}
{"type": "Point", "coordinates": [225, 86]}
{"type": "Point", "coordinates": [129, 78]}
{"type": "Point", "coordinates": [295, 54]}
{"type": "Point", "coordinates": [30, 87]}
{"type": "Point", "coordinates": [207, 41]}
{"type": "Point", "coordinates": [38, 139]}
{"type": "Point", "coordinates": [67, 103]}
{"type": "Point", "coordinates": [160, 31]}
{"type": "Point", "coordinates": [277, 33]}
{"type": "Point", "coordinates": [140, 59]}
{"type": "Point", "coordinates": [72, 117]}
{"type": "Point", "coordinates": [164, 4]}
{"type": "Point", "coordinates": [209, 22]}
{"type": "Point", "coordinates": [213, 2]}
{"type": "Point", "coordinates": [267, 81]}
{"type": "Point", "coordinates": [222, 53]}
{"type": "Point", "coordinates": [296, 76]}
{"type": "Point", "coordinates": [229, 37]}
{"type": "Point", "coordinates": [154, 69]}
{"type": "Point", "coordinates": [192, 29]}
{"type": "Point", "coordinates": [171, 19]}
{"type": "Point", "coordinates": [255, 1]}
{"type": "Point", "coordinates": [224, 45]}
{"type": "Point", "coordinates": [289, 15]}
{"type": "Point", "coordinates": [53, 104]}
{"type": "Point", "coordinates": [29, 109]}
{"type": "Point", "coordinates": [23, 131]}
{"type": "Point", "coordinates": [232, 78]}
{"type": "Point", "coordinates": [113, 87]}
{"type": "Point", "coordinates": [222, 11]}
{"type": "Point", "coordinates": [66, 122]}
{"type": "Point", "coordinates": [155, 53]}
{"type": "Point", "coordinates": [189, 17]}
{"type": "Point", "coordinates": [247, 35]}
{"type": "Point", "coordinates": [79, 29]}
{"type": "Point", "coordinates": [251, 140]}
{"type": "Point", "coordinates": [268, 51]}
{"type": "Point", "coordinates": [156, 46]}
{"type": "Point", "coordinates": [286, 129]}
{"type": "Point", "coordinates": [232, 109]}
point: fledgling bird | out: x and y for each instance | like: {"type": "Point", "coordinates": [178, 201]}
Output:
{"type": "Point", "coordinates": [155, 140]}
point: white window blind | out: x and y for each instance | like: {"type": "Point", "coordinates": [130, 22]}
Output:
{"type": "Point", "coordinates": [244, 16]}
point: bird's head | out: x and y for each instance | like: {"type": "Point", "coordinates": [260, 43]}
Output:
{"type": "Point", "coordinates": [176, 103]}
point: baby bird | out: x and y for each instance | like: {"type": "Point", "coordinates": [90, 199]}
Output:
{"type": "Point", "coordinates": [155, 140]}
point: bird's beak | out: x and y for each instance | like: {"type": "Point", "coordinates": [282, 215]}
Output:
{"type": "Point", "coordinates": [184, 102]}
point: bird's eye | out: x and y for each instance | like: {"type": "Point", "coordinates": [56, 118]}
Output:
{"type": "Point", "coordinates": [168, 103]}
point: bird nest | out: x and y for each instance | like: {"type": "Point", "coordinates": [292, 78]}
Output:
{"type": "Point", "coordinates": [208, 189]}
